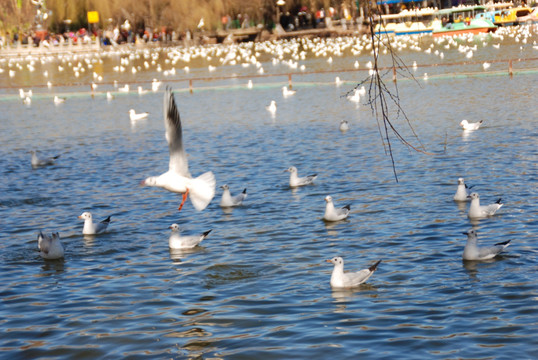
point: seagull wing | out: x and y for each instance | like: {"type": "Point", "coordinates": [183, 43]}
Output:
{"type": "Point", "coordinates": [356, 278]}
{"type": "Point", "coordinates": [174, 136]}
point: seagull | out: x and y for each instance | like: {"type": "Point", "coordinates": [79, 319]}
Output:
{"type": "Point", "coordinates": [287, 92]}
{"type": "Point", "coordinates": [473, 252]}
{"type": "Point", "coordinates": [477, 211]}
{"type": "Point", "coordinates": [50, 248]}
{"type": "Point", "coordinates": [24, 94]}
{"type": "Point", "coordinates": [184, 242]}
{"type": "Point", "coordinates": [124, 89]}
{"type": "Point", "coordinates": [90, 228]}
{"type": "Point", "coordinates": [337, 81]}
{"type": "Point", "coordinates": [333, 214]}
{"type": "Point", "coordinates": [486, 65]}
{"type": "Point", "coordinates": [228, 200]}
{"type": "Point", "coordinates": [339, 279]}
{"type": "Point", "coordinates": [109, 96]}
{"type": "Point", "coordinates": [36, 162]}
{"type": "Point", "coordinates": [155, 85]}
{"type": "Point", "coordinates": [27, 101]}
{"type": "Point", "coordinates": [142, 91]}
{"type": "Point", "coordinates": [134, 116]}
{"type": "Point", "coordinates": [344, 126]}
{"type": "Point", "coordinates": [296, 181]}
{"type": "Point", "coordinates": [249, 84]}
{"type": "Point", "coordinates": [272, 107]}
{"type": "Point", "coordinates": [58, 100]}
{"type": "Point", "coordinates": [461, 192]}
{"type": "Point", "coordinates": [470, 126]}
{"type": "Point", "coordinates": [178, 179]}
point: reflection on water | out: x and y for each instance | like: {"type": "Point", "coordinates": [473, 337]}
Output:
{"type": "Point", "coordinates": [257, 290]}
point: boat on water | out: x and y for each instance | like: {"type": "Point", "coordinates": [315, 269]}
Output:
{"type": "Point", "coordinates": [509, 17]}
{"type": "Point", "coordinates": [462, 20]}
{"type": "Point", "coordinates": [407, 22]}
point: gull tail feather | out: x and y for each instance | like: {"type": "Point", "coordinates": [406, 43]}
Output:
{"type": "Point", "coordinates": [374, 267]}
{"type": "Point", "coordinates": [202, 190]}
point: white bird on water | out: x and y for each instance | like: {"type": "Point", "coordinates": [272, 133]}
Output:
{"type": "Point", "coordinates": [467, 126]}
{"type": "Point", "coordinates": [134, 116]}
{"type": "Point", "coordinates": [58, 100]}
{"type": "Point", "coordinates": [272, 107]}
{"type": "Point", "coordinates": [287, 92]}
{"type": "Point", "coordinates": [155, 85]}
{"type": "Point", "coordinates": [50, 248]}
{"type": "Point", "coordinates": [344, 126]}
{"type": "Point", "coordinates": [24, 94]}
{"type": "Point", "coordinates": [473, 252]}
{"type": "Point", "coordinates": [462, 191]}
{"type": "Point", "coordinates": [296, 181]}
{"type": "Point", "coordinates": [334, 214]}
{"type": "Point", "coordinates": [477, 211]}
{"type": "Point", "coordinates": [178, 179]}
{"type": "Point", "coordinates": [89, 227]}
{"type": "Point", "coordinates": [228, 200]}
{"type": "Point", "coordinates": [177, 241]}
{"type": "Point", "coordinates": [37, 162]}
{"type": "Point", "coordinates": [340, 279]}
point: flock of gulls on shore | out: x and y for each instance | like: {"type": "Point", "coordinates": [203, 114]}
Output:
{"type": "Point", "coordinates": [201, 190]}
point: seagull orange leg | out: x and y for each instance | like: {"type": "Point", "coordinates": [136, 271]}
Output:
{"type": "Point", "coordinates": [183, 201]}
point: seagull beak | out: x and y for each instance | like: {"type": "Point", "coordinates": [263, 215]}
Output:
{"type": "Point", "coordinates": [142, 183]}
{"type": "Point", "coordinates": [468, 196]}
{"type": "Point", "coordinates": [328, 260]}
{"type": "Point", "coordinates": [80, 216]}
{"type": "Point", "coordinates": [465, 233]}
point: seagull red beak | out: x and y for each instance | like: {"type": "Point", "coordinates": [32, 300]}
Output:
{"type": "Point", "coordinates": [328, 260]}
{"type": "Point", "coordinates": [142, 183]}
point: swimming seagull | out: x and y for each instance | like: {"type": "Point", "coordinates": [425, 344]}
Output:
{"type": "Point", "coordinates": [58, 100]}
{"type": "Point", "coordinates": [134, 116]}
{"type": "Point", "coordinates": [50, 247]}
{"type": "Point", "coordinates": [340, 279]}
{"type": "Point", "coordinates": [178, 179]}
{"type": "Point", "coordinates": [109, 96]}
{"type": "Point", "coordinates": [296, 181]}
{"type": "Point", "coordinates": [333, 214]}
{"type": "Point", "coordinates": [470, 126]}
{"type": "Point", "coordinates": [473, 252]}
{"type": "Point", "coordinates": [89, 227]}
{"type": "Point", "coordinates": [228, 200]}
{"type": "Point", "coordinates": [184, 242]}
{"type": "Point", "coordinates": [287, 92]}
{"type": "Point", "coordinates": [477, 211]}
{"type": "Point", "coordinates": [37, 162]}
{"type": "Point", "coordinates": [272, 107]}
{"type": "Point", "coordinates": [344, 126]}
{"type": "Point", "coordinates": [461, 192]}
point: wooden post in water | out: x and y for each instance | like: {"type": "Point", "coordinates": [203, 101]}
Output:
{"type": "Point", "coordinates": [190, 86]}
{"type": "Point", "coordinates": [289, 81]}
{"type": "Point", "coordinates": [510, 68]}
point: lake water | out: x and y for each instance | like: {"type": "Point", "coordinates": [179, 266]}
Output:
{"type": "Point", "coordinates": [258, 286]}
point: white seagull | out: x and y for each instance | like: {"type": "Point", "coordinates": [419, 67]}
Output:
{"type": "Point", "coordinates": [58, 100]}
{"type": "Point", "coordinates": [477, 211]}
{"type": "Point", "coordinates": [90, 228]}
{"type": "Point", "coordinates": [24, 94]}
{"type": "Point", "coordinates": [155, 85]}
{"type": "Point", "coordinates": [109, 96]}
{"type": "Point", "coordinates": [296, 181]}
{"type": "Point", "coordinates": [228, 200]}
{"type": "Point", "coordinates": [37, 162]}
{"type": "Point", "coordinates": [333, 214]}
{"type": "Point", "coordinates": [184, 242]}
{"type": "Point", "coordinates": [134, 116]}
{"type": "Point", "coordinates": [178, 179]}
{"type": "Point", "coordinates": [124, 88]}
{"type": "Point", "coordinates": [50, 247]}
{"type": "Point", "coordinates": [344, 126]}
{"type": "Point", "coordinates": [473, 252]}
{"type": "Point", "coordinates": [272, 107]}
{"type": "Point", "coordinates": [462, 191]}
{"type": "Point", "coordinates": [287, 92]}
{"type": "Point", "coordinates": [470, 126]}
{"type": "Point", "coordinates": [339, 279]}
